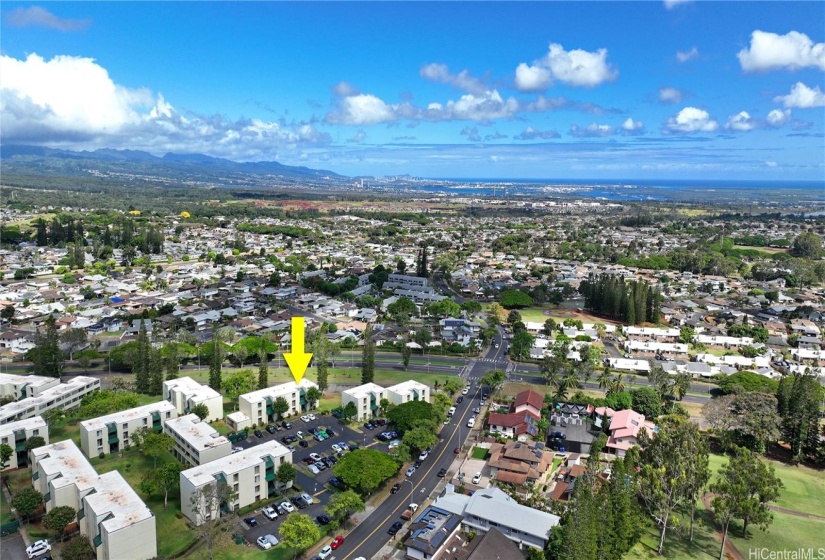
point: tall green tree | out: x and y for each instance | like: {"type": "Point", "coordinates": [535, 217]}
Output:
{"type": "Point", "coordinates": [34, 442]}
{"type": "Point", "coordinates": [164, 478]}
{"type": "Point", "coordinates": [155, 444]}
{"type": "Point", "coordinates": [211, 528]}
{"type": "Point", "coordinates": [200, 410]}
{"type": "Point", "coordinates": [285, 474]}
{"type": "Point", "coordinates": [368, 358]}
{"type": "Point", "coordinates": [406, 353]}
{"type": "Point", "coordinates": [238, 383]}
{"type": "Point", "coordinates": [46, 356]}
{"type": "Point", "coordinates": [215, 363]}
{"type": "Point", "coordinates": [77, 548]}
{"type": "Point", "coordinates": [320, 356]}
{"type": "Point", "coordinates": [299, 532]}
{"type": "Point", "coordinates": [663, 482]}
{"type": "Point", "coordinates": [155, 372]}
{"type": "Point", "coordinates": [365, 469]}
{"type": "Point", "coordinates": [743, 490]}
{"type": "Point", "coordinates": [343, 504]}
{"type": "Point", "coordinates": [280, 406]}
{"type": "Point", "coordinates": [27, 502]}
{"type": "Point", "coordinates": [313, 396]}
{"type": "Point", "coordinates": [142, 366]}
{"type": "Point", "coordinates": [494, 380]}
{"type": "Point", "coordinates": [5, 454]}
{"type": "Point", "coordinates": [58, 519]}
{"type": "Point", "coordinates": [74, 340]}
{"type": "Point", "coordinates": [263, 367]}
{"type": "Point", "coordinates": [799, 400]}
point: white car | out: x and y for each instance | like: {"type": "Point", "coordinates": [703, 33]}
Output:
{"type": "Point", "coordinates": [38, 548]}
{"type": "Point", "coordinates": [336, 448]}
{"type": "Point", "coordinates": [313, 469]}
{"type": "Point", "coordinates": [465, 391]}
{"type": "Point", "coordinates": [326, 552]}
{"type": "Point", "coordinates": [237, 449]}
{"type": "Point", "coordinates": [311, 416]}
{"type": "Point", "coordinates": [267, 541]}
{"type": "Point", "coordinates": [314, 456]}
{"type": "Point", "coordinates": [424, 455]}
{"type": "Point", "coordinates": [288, 507]}
{"type": "Point", "coordinates": [307, 498]}
{"type": "Point", "coordinates": [269, 512]}
{"type": "Point", "coordinates": [477, 478]}
{"type": "Point", "coordinates": [394, 443]}
{"type": "Point", "coordinates": [410, 471]}
{"type": "Point", "coordinates": [343, 446]}
{"type": "Point", "coordinates": [304, 418]}
{"type": "Point", "coordinates": [299, 434]}
{"type": "Point", "coordinates": [471, 422]}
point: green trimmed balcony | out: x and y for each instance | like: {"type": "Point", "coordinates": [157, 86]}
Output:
{"type": "Point", "coordinates": [81, 514]}
{"type": "Point", "coordinates": [98, 541]}
{"type": "Point", "coordinates": [36, 475]}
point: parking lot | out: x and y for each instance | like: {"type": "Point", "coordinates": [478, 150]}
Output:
{"type": "Point", "coordinates": [314, 485]}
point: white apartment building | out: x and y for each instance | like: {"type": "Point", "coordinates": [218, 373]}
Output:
{"type": "Point", "coordinates": [15, 435]}
{"type": "Point", "coordinates": [64, 395]}
{"type": "Point", "coordinates": [110, 433]}
{"type": "Point", "coordinates": [250, 473]}
{"type": "Point", "coordinates": [404, 281]}
{"type": "Point", "coordinates": [367, 399]}
{"type": "Point", "coordinates": [24, 386]}
{"type": "Point", "coordinates": [724, 341]}
{"type": "Point", "coordinates": [651, 348]}
{"type": "Point", "coordinates": [185, 393]}
{"type": "Point", "coordinates": [257, 405]}
{"type": "Point", "coordinates": [109, 512]}
{"type": "Point", "coordinates": [651, 333]}
{"type": "Point", "coordinates": [196, 442]}
{"type": "Point", "coordinates": [408, 391]}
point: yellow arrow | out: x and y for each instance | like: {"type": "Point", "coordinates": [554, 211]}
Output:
{"type": "Point", "coordinates": [297, 360]}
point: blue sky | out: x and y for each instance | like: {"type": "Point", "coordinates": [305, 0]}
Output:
{"type": "Point", "coordinates": [705, 90]}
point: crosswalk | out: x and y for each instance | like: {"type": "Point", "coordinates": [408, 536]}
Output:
{"type": "Point", "coordinates": [492, 360]}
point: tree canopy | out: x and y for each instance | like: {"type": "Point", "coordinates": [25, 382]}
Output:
{"type": "Point", "coordinates": [365, 469]}
{"type": "Point", "coordinates": [406, 415]}
{"type": "Point", "coordinates": [514, 299]}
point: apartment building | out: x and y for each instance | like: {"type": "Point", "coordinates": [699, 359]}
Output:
{"type": "Point", "coordinates": [651, 333]}
{"type": "Point", "coordinates": [196, 442]}
{"type": "Point", "coordinates": [649, 348]}
{"type": "Point", "coordinates": [405, 282]}
{"type": "Point", "coordinates": [408, 391]}
{"type": "Point", "coordinates": [250, 473]}
{"type": "Point", "coordinates": [367, 399]}
{"type": "Point", "coordinates": [64, 395]}
{"type": "Point", "coordinates": [185, 393]}
{"type": "Point", "coordinates": [109, 512]}
{"type": "Point", "coordinates": [257, 405]}
{"type": "Point", "coordinates": [16, 434]}
{"type": "Point", "coordinates": [110, 433]}
{"type": "Point", "coordinates": [24, 386]}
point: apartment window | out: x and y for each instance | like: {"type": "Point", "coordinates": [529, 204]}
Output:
{"type": "Point", "coordinates": [236, 487]}
{"type": "Point", "coordinates": [257, 478]}
{"type": "Point", "coordinates": [257, 469]}
{"type": "Point", "coordinates": [98, 432]}
{"type": "Point", "coordinates": [35, 432]}
{"type": "Point", "coordinates": [99, 443]}
{"type": "Point", "coordinates": [257, 490]}
{"type": "Point", "coordinates": [235, 477]}
{"type": "Point", "coordinates": [125, 426]}
{"type": "Point", "coordinates": [168, 415]}
{"type": "Point", "coordinates": [257, 497]}
{"type": "Point", "coordinates": [5, 440]}
{"type": "Point", "coordinates": [145, 422]}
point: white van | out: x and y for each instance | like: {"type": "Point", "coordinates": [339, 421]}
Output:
{"type": "Point", "coordinates": [451, 412]}
{"type": "Point", "coordinates": [471, 422]}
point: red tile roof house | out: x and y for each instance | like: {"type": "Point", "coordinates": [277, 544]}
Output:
{"type": "Point", "coordinates": [624, 429]}
{"type": "Point", "coordinates": [521, 422]}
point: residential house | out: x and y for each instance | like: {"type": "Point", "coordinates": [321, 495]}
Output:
{"type": "Point", "coordinates": [430, 532]}
{"type": "Point", "coordinates": [522, 464]}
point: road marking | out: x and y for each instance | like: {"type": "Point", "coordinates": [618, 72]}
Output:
{"type": "Point", "coordinates": [420, 480]}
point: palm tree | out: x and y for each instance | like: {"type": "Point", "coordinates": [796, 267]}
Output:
{"type": "Point", "coordinates": [604, 379]}
{"type": "Point", "coordinates": [681, 384]}
{"type": "Point", "coordinates": [617, 385]}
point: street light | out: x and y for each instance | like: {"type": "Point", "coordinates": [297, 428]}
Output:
{"type": "Point", "coordinates": [412, 488]}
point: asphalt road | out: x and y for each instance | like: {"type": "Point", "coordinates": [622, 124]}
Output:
{"type": "Point", "coordinates": [368, 537]}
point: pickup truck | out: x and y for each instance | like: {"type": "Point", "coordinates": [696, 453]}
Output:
{"type": "Point", "coordinates": [408, 513]}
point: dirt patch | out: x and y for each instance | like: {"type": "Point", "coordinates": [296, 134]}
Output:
{"type": "Point", "coordinates": [731, 552]}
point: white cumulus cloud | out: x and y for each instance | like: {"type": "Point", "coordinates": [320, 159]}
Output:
{"type": "Point", "coordinates": [691, 119]}
{"type": "Point", "coordinates": [802, 97]}
{"type": "Point", "coordinates": [362, 109]}
{"type": "Point", "coordinates": [531, 133]}
{"type": "Point", "coordinates": [778, 117]}
{"type": "Point", "coordinates": [436, 72]}
{"type": "Point", "coordinates": [576, 67]}
{"type": "Point", "coordinates": [792, 51]}
{"type": "Point", "coordinates": [741, 122]}
{"type": "Point", "coordinates": [631, 127]}
{"type": "Point", "coordinates": [670, 95]}
{"type": "Point", "coordinates": [685, 56]}
{"type": "Point", "coordinates": [35, 16]}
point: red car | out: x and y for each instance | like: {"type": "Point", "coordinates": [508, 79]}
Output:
{"type": "Point", "coordinates": [457, 450]}
{"type": "Point", "coordinates": [336, 542]}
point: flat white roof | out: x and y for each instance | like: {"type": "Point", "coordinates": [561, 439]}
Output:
{"type": "Point", "coordinates": [32, 423]}
{"type": "Point", "coordinates": [66, 460]}
{"type": "Point", "coordinates": [200, 435]}
{"type": "Point", "coordinates": [33, 380]}
{"type": "Point", "coordinates": [237, 462]}
{"type": "Point", "coordinates": [114, 495]}
{"type": "Point", "coordinates": [126, 415]}
{"type": "Point", "coordinates": [75, 383]}
{"type": "Point", "coordinates": [407, 386]}
{"type": "Point", "coordinates": [193, 390]}
{"type": "Point", "coordinates": [364, 390]}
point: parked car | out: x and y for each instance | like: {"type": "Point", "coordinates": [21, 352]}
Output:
{"type": "Point", "coordinates": [418, 463]}
{"type": "Point", "coordinates": [303, 443]}
{"type": "Point", "coordinates": [325, 552]}
{"type": "Point", "coordinates": [465, 391]}
{"type": "Point", "coordinates": [460, 399]}
{"type": "Point", "coordinates": [267, 541]}
{"type": "Point", "coordinates": [286, 425]}
{"type": "Point", "coordinates": [335, 447]}
{"type": "Point", "coordinates": [288, 507]}
{"type": "Point", "coordinates": [320, 465]}
{"type": "Point", "coordinates": [410, 471]}
{"type": "Point", "coordinates": [424, 455]}
{"type": "Point", "coordinates": [308, 460]}
{"type": "Point", "coordinates": [338, 483]}
{"type": "Point", "coordinates": [322, 519]}
{"type": "Point", "coordinates": [477, 410]}
{"type": "Point", "coordinates": [395, 527]}
{"type": "Point", "coordinates": [314, 470]}
{"type": "Point", "coordinates": [369, 426]}
{"type": "Point", "coordinates": [311, 417]}
{"type": "Point", "coordinates": [457, 450]}
{"type": "Point", "coordinates": [270, 512]}
{"type": "Point", "coordinates": [259, 433]}
{"type": "Point", "coordinates": [381, 422]}
{"type": "Point", "coordinates": [251, 521]}
{"type": "Point", "coordinates": [343, 446]}
{"type": "Point", "coordinates": [237, 449]}
{"type": "Point", "coordinates": [336, 542]}
{"type": "Point", "coordinates": [395, 488]}
{"type": "Point", "coordinates": [298, 502]}
{"type": "Point", "coordinates": [305, 419]}
{"type": "Point", "coordinates": [559, 435]}
{"type": "Point", "coordinates": [442, 473]}
{"type": "Point", "coordinates": [271, 429]}
{"type": "Point", "coordinates": [477, 478]}
{"type": "Point", "coordinates": [331, 460]}
{"type": "Point", "coordinates": [37, 548]}
{"type": "Point", "coordinates": [330, 433]}
{"type": "Point", "coordinates": [315, 457]}
{"type": "Point", "coordinates": [471, 422]}
{"type": "Point", "coordinates": [306, 497]}
{"type": "Point", "coordinates": [394, 443]}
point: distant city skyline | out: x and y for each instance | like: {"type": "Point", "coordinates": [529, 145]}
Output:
{"type": "Point", "coordinates": [577, 90]}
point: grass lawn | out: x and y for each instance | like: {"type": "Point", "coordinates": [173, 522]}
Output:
{"type": "Point", "coordinates": [480, 453]}
{"type": "Point", "coordinates": [705, 543]}
{"type": "Point", "coordinates": [19, 480]}
{"type": "Point", "coordinates": [5, 509]}
{"type": "Point", "coordinates": [232, 551]}
{"type": "Point", "coordinates": [787, 532]}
